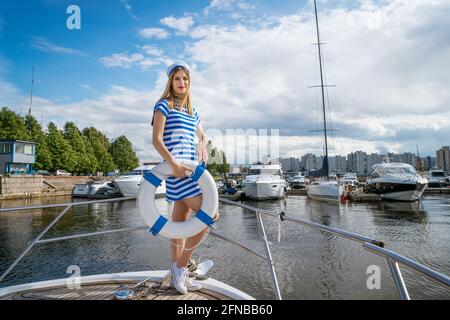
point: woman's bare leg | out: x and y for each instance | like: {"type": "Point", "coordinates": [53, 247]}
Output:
{"type": "Point", "coordinates": [180, 213]}
{"type": "Point", "coordinates": [193, 203]}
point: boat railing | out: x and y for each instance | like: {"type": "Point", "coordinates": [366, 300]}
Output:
{"type": "Point", "coordinates": [371, 245]}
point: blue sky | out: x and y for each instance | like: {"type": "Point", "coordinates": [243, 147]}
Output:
{"type": "Point", "coordinates": [107, 26]}
{"type": "Point", "coordinates": [252, 63]}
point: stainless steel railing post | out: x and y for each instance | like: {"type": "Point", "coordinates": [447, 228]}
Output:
{"type": "Point", "coordinates": [398, 279]}
{"type": "Point", "coordinates": [269, 257]}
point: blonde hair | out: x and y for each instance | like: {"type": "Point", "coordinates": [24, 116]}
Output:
{"type": "Point", "coordinates": [169, 93]}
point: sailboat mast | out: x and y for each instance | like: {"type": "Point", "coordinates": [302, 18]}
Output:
{"type": "Point", "coordinates": [321, 87]}
{"type": "Point", "coordinates": [31, 93]}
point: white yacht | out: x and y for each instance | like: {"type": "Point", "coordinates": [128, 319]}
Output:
{"type": "Point", "coordinates": [103, 189]}
{"type": "Point", "coordinates": [298, 181]}
{"type": "Point", "coordinates": [437, 178]}
{"type": "Point", "coordinates": [324, 189]}
{"type": "Point", "coordinates": [323, 185]}
{"type": "Point", "coordinates": [264, 181]}
{"type": "Point", "coordinates": [96, 189]}
{"type": "Point", "coordinates": [350, 179]}
{"type": "Point", "coordinates": [129, 183]}
{"type": "Point", "coordinates": [80, 190]}
{"type": "Point", "coordinates": [396, 181]}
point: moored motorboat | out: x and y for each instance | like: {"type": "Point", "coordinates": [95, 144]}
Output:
{"type": "Point", "coordinates": [264, 182]}
{"type": "Point", "coordinates": [298, 181]}
{"type": "Point", "coordinates": [80, 190]}
{"type": "Point", "coordinates": [350, 180]}
{"type": "Point", "coordinates": [129, 183]}
{"type": "Point", "coordinates": [437, 178]}
{"type": "Point", "coordinates": [396, 181]}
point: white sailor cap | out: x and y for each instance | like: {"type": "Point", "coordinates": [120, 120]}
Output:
{"type": "Point", "coordinates": [176, 65]}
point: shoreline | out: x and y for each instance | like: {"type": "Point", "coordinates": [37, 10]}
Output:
{"type": "Point", "coordinates": [34, 186]}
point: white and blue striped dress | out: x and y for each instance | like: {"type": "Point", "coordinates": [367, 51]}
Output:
{"type": "Point", "coordinates": [178, 137]}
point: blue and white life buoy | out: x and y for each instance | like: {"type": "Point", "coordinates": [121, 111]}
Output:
{"type": "Point", "coordinates": [160, 224]}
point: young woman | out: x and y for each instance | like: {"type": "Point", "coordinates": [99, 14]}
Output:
{"type": "Point", "coordinates": [175, 125]}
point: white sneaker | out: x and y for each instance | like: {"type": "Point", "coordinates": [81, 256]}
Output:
{"type": "Point", "coordinates": [178, 280]}
{"type": "Point", "coordinates": [192, 285]}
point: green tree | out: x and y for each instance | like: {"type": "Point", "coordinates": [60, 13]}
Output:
{"type": "Point", "coordinates": [63, 156]}
{"type": "Point", "coordinates": [123, 155]}
{"type": "Point", "coordinates": [12, 126]}
{"type": "Point", "coordinates": [100, 145]}
{"type": "Point", "coordinates": [75, 139]}
{"type": "Point", "coordinates": [217, 162]}
{"type": "Point", "coordinates": [91, 165]}
{"type": "Point", "coordinates": [244, 169]}
{"type": "Point", "coordinates": [224, 167]}
{"type": "Point", "coordinates": [37, 135]}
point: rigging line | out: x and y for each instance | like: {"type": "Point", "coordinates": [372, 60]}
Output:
{"type": "Point", "coordinates": [328, 105]}
{"type": "Point", "coordinates": [333, 147]}
{"type": "Point", "coordinates": [322, 88]}
{"type": "Point", "coordinates": [317, 103]}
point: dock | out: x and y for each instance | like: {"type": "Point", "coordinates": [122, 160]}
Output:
{"type": "Point", "coordinates": [360, 196]}
{"type": "Point", "coordinates": [437, 190]}
{"type": "Point", "coordinates": [296, 192]}
{"type": "Point", "coordinates": [30, 186]}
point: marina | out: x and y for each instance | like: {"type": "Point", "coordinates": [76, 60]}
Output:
{"type": "Point", "coordinates": [100, 180]}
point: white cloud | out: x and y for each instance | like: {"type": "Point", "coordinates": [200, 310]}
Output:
{"type": "Point", "coordinates": [126, 4]}
{"type": "Point", "coordinates": [153, 33]}
{"type": "Point", "coordinates": [390, 65]}
{"type": "Point", "coordinates": [182, 25]}
{"type": "Point", "coordinates": [152, 50]}
{"type": "Point", "coordinates": [42, 44]}
{"type": "Point", "coordinates": [227, 5]}
{"type": "Point", "coordinates": [122, 60]}
{"type": "Point", "coordinates": [152, 57]}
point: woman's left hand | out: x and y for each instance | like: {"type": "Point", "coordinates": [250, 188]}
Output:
{"type": "Point", "coordinates": [202, 154]}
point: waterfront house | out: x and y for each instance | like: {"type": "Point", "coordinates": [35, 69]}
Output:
{"type": "Point", "coordinates": [17, 156]}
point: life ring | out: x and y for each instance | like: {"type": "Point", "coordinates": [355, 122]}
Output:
{"type": "Point", "coordinates": [160, 224]}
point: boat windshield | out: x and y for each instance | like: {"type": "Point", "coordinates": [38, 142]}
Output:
{"type": "Point", "coordinates": [438, 174]}
{"type": "Point", "coordinates": [274, 172]}
{"type": "Point", "coordinates": [396, 171]}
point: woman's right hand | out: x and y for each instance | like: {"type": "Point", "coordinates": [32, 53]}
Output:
{"type": "Point", "coordinates": [179, 170]}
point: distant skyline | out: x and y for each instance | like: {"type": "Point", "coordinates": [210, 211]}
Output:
{"type": "Point", "coordinates": [252, 63]}
{"type": "Point", "coordinates": [380, 153]}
